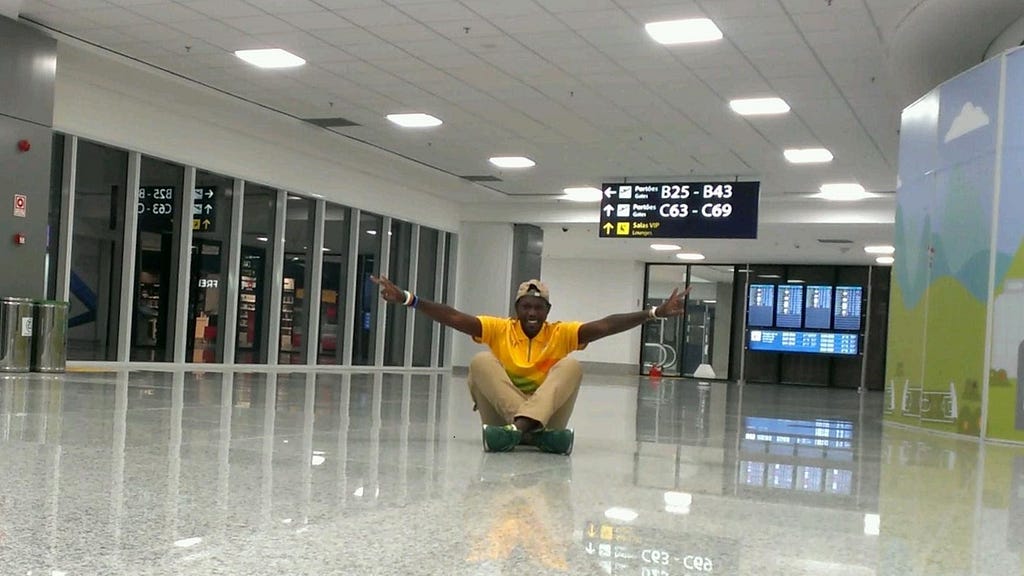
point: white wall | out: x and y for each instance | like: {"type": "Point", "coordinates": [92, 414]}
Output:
{"type": "Point", "coordinates": [591, 289]}
{"type": "Point", "coordinates": [485, 274]}
{"type": "Point", "coordinates": [115, 101]}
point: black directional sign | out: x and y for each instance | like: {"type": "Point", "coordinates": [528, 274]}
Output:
{"type": "Point", "coordinates": [204, 208]}
{"type": "Point", "coordinates": [680, 210]}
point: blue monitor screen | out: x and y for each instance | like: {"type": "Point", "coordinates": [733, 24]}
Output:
{"type": "Point", "coordinates": [789, 306]}
{"type": "Point", "coordinates": [846, 314]}
{"type": "Point", "coordinates": [818, 311]}
{"type": "Point", "coordinates": [842, 344]}
{"type": "Point", "coordinates": [760, 305]}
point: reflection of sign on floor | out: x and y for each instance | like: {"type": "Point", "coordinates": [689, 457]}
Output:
{"type": "Point", "coordinates": [627, 550]}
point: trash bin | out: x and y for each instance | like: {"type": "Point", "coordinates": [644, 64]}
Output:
{"type": "Point", "coordinates": [49, 345]}
{"type": "Point", "coordinates": [15, 334]}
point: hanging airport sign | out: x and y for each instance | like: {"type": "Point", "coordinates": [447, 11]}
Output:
{"type": "Point", "coordinates": [156, 207]}
{"type": "Point", "coordinates": [679, 210]}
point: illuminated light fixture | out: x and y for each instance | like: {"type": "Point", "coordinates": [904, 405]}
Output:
{"type": "Point", "coordinates": [512, 162]}
{"type": "Point", "coordinates": [690, 256]}
{"type": "Point", "coordinates": [318, 460]}
{"type": "Point", "coordinates": [880, 249]}
{"type": "Point", "coordinates": [263, 238]}
{"type": "Point", "coordinates": [885, 260]}
{"type": "Point", "coordinates": [872, 524]}
{"type": "Point", "coordinates": [187, 542]}
{"type": "Point", "coordinates": [678, 502]}
{"type": "Point", "coordinates": [685, 31]}
{"type": "Point", "coordinates": [758, 106]}
{"type": "Point", "coordinates": [371, 232]}
{"type": "Point", "coordinates": [414, 120]}
{"type": "Point", "coordinates": [807, 155]}
{"type": "Point", "coordinates": [768, 276]}
{"type": "Point", "coordinates": [582, 194]}
{"type": "Point", "coordinates": [710, 301]}
{"type": "Point", "coordinates": [620, 514]}
{"type": "Point", "coordinates": [843, 192]}
{"type": "Point", "coordinates": [664, 247]}
{"type": "Point", "coordinates": [270, 58]}
{"type": "Point", "coordinates": [796, 281]}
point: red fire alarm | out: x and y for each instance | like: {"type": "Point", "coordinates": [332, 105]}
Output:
{"type": "Point", "coordinates": [19, 238]}
{"type": "Point", "coordinates": [24, 145]}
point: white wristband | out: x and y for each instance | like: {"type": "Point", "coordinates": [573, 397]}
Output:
{"type": "Point", "coordinates": [653, 313]}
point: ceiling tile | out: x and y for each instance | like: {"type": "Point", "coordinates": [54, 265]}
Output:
{"type": "Point", "coordinates": [285, 6]}
{"type": "Point", "coordinates": [223, 8]}
{"type": "Point", "coordinates": [264, 24]}
{"type": "Point", "coordinates": [376, 16]}
{"type": "Point", "coordinates": [443, 11]}
{"type": "Point", "coordinates": [318, 20]}
{"type": "Point", "coordinates": [406, 33]}
{"type": "Point", "coordinates": [563, 6]}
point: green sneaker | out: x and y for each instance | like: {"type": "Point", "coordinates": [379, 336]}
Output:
{"type": "Point", "coordinates": [554, 441]}
{"type": "Point", "coordinates": [501, 438]}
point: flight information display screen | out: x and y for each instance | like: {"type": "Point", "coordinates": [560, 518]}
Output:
{"type": "Point", "coordinates": [789, 306]}
{"type": "Point", "coordinates": [799, 341]}
{"type": "Point", "coordinates": [846, 314]}
{"type": "Point", "coordinates": [761, 305]}
{"type": "Point", "coordinates": [818, 310]}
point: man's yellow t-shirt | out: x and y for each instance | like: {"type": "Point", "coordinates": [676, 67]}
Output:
{"type": "Point", "coordinates": [527, 361]}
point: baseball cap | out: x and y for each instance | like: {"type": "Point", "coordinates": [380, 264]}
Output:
{"type": "Point", "coordinates": [533, 288]}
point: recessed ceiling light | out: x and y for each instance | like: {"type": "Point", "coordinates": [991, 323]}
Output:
{"type": "Point", "coordinates": [583, 194]}
{"type": "Point", "coordinates": [263, 238]}
{"type": "Point", "coordinates": [885, 260]}
{"type": "Point", "coordinates": [371, 232]}
{"type": "Point", "coordinates": [690, 256]}
{"type": "Point", "coordinates": [512, 162]}
{"type": "Point", "coordinates": [756, 106]}
{"type": "Point", "coordinates": [807, 155]}
{"type": "Point", "coordinates": [270, 58]}
{"type": "Point", "coordinates": [664, 247]}
{"type": "Point", "coordinates": [880, 249]}
{"type": "Point", "coordinates": [414, 120]}
{"type": "Point", "coordinates": [683, 31]}
{"type": "Point", "coordinates": [843, 192]}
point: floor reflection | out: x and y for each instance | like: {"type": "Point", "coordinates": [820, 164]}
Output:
{"type": "Point", "coordinates": [373, 473]}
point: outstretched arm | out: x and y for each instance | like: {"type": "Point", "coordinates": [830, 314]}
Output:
{"type": "Point", "coordinates": [621, 322]}
{"type": "Point", "coordinates": [436, 311]}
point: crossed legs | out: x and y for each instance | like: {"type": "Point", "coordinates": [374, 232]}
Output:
{"type": "Point", "coordinates": [500, 402]}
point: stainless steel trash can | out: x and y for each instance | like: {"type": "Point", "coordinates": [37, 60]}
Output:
{"type": "Point", "coordinates": [15, 334]}
{"type": "Point", "coordinates": [49, 344]}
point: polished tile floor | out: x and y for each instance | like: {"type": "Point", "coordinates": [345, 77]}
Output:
{"type": "Point", "coordinates": [206, 473]}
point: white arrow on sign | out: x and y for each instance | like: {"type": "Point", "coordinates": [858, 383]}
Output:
{"type": "Point", "coordinates": [608, 210]}
{"type": "Point", "coordinates": [209, 193]}
{"type": "Point", "coordinates": [609, 192]}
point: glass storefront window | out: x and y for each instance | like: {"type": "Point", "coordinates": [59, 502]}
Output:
{"type": "Point", "coordinates": [54, 217]}
{"type": "Point", "coordinates": [367, 264]}
{"type": "Point", "coordinates": [298, 241]}
{"type": "Point", "coordinates": [97, 251]}
{"type": "Point", "coordinates": [335, 285]}
{"type": "Point", "coordinates": [259, 209]}
{"type": "Point", "coordinates": [400, 238]}
{"type": "Point", "coordinates": [701, 336]}
{"type": "Point", "coordinates": [160, 207]}
{"type": "Point", "coordinates": [451, 251]}
{"type": "Point", "coordinates": [211, 232]}
{"type": "Point", "coordinates": [426, 287]}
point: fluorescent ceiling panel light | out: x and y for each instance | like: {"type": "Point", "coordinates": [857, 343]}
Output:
{"type": "Point", "coordinates": [710, 301]}
{"type": "Point", "coordinates": [843, 192]}
{"type": "Point", "coordinates": [263, 238]}
{"type": "Point", "coordinates": [270, 58]}
{"type": "Point", "coordinates": [690, 256]}
{"type": "Point", "coordinates": [768, 276]}
{"type": "Point", "coordinates": [880, 249]}
{"type": "Point", "coordinates": [683, 31]}
{"type": "Point", "coordinates": [371, 232]}
{"type": "Point", "coordinates": [582, 194]}
{"type": "Point", "coordinates": [620, 514]}
{"type": "Point", "coordinates": [807, 155]}
{"type": "Point", "coordinates": [664, 247]}
{"type": "Point", "coordinates": [885, 260]}
{"type": "Point", "coordinates": [512, 162]}
{"type": "Point", "coordinates": [795, 281]}
{"type": "Point", "coordinates": [758, 106]}
{"type": "Point", "coordinates": [414, 120]}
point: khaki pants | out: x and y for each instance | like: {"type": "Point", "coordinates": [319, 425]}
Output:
{"type": "Point", "coordinates": [500, 402]}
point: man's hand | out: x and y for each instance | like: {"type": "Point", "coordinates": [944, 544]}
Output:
{"type": "Point", "coordinates": [674, 305]}
{"type": "Point", "coordinates": [388, 291]}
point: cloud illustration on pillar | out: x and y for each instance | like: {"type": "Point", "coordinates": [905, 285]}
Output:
{"type": "Point", "coordinates": [971, 118]}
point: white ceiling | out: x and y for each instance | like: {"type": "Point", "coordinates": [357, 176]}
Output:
{"type": "Point", "coordinates": [577, 85]}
